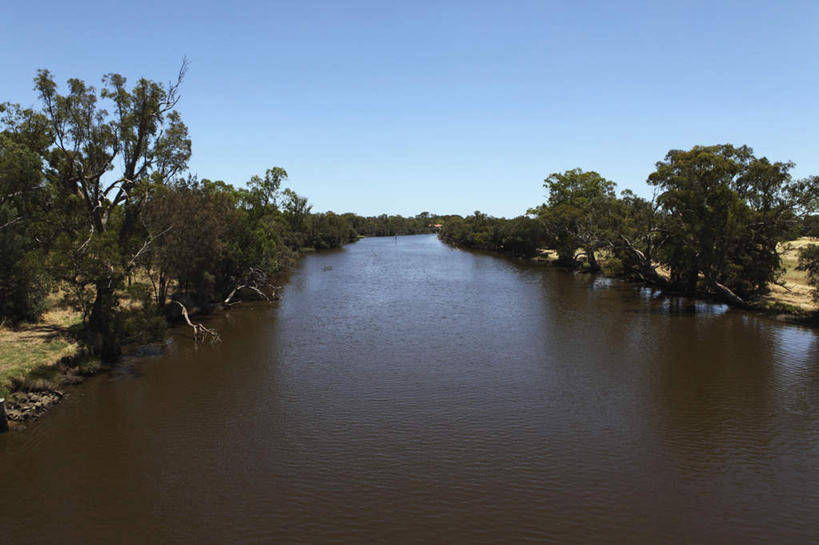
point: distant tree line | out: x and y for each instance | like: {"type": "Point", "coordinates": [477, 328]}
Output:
{"type": "Point", "coordinates": [96, 203]}
{"type": "Point", "coordinates": [713, 226]}
{"type": "Point", "coordinates": [521, 236]}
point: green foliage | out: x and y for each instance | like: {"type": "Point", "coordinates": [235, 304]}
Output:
{"type": "Point", "coordinates": [23, 281]}
{"type": "Point", "coordinates": [520, 236]}
{"type": "Point", "coordinates": [329, 230]}
{"type": "Point", "coordinates": [143, 324]}
{"type": "Point", "coordinates": [614, 267]}
{"type": "Point", "coordinates": [89, 366]}
{"type": "Point", "coordinates": [810, 226]}
{"type": "Point", "coordinates": [715, 222]}
{"type": "Point", "coordinates": [99, 233]}
{"type": "Point", "coordinates": [725, 211]}
{"type": "Point", "coordinates": [580, 214]}
{"type": "Point", "coordinates": [388, 226]}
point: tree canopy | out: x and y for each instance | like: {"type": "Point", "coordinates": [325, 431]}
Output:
{"type": "Point", "coordinates": [96, 199]}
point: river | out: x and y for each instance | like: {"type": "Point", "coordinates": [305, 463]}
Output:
{"type": "Point", "coordinates": [405, 392]}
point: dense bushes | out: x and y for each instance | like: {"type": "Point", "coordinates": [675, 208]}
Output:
{"type": "Point", "coordinates": [520, 236]}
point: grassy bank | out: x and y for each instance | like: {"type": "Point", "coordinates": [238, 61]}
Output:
{"type": "Point", "coordinates": [29, 352]}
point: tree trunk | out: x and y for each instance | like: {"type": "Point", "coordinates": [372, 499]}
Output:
{"type": "Point", "coordinates": [691, 277]}
{"type": "Point", "coordinates": [102, 336]}
{"type": "Point", "coordinates": [645, 268]}
{"type": "Point", "coordinates": [593, 264]}
{"type": "Point", "coordinates": [162, 294]}
{"type": "Point", "coordinates": [726, 293]}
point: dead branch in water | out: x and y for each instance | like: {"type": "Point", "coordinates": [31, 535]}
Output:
{"type": "Point", "coordinates": [200, 331]}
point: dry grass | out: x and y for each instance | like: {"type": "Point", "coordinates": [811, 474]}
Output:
{"type": "Point", "coordinates": [546, 256]}
{"type": "Point", "coordinates": [795, 290]}
{"type": "Point", "coordinates": [28, 352]}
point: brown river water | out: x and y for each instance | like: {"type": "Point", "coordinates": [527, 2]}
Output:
{"type": "Point", "coordinates": [405, 392]}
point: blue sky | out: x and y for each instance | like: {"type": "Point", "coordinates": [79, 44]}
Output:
{"type": "Point", "coordinates": [449, 107]}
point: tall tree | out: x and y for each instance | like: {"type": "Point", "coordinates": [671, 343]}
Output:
{"type": "Point", "coordinates": [102, 164]}
{"type": "Point", "coordinates": [725, 211]}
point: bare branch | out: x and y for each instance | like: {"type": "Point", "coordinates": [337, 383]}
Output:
{"type": "Point", "coordinates": [199, 330]}
{"type": "Point", "coordinates": [84, 244]}
{"type": "Point", "coordinates": [173, 87]}
{"type": "Point", "coordinates": [145, 246]}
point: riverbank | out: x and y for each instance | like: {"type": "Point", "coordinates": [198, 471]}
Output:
{"type": "Point", "coordinates": [791, 300]}
{"type": "Point", "coordinates": [39, 362]}
{"type": "Point", "coordinates": [399, 385]}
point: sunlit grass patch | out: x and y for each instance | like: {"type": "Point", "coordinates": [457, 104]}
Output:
{"type": "Point", "coordinates": [794, 290]}
{"type": "Point", "coordinates": [28, 350]}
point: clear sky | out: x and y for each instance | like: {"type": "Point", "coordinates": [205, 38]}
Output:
{"type": "Point", "coordinates": [448, 107]}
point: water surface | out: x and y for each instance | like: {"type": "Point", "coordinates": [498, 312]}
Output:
{"type": "Point", "coordinates": [405, 392]}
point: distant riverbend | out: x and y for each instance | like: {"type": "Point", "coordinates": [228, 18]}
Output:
{"type": "Point", "coordinates": [402, 391]}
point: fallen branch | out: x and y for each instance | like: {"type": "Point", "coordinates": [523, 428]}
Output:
{"type": "Point", "coordinates": [726, 293]}
{"type": "Point", "coordinates": [199, 330]}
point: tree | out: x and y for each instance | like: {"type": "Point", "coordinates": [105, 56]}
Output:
{"type": "Point", "coordinates": [637, 239]}
{"type": "Point", "coordinates": [101, 166]}
{"type": "Point", "coordinates": [24, 204]}
{"type": "Point", "coordinates": [193, 218]}
{"type": "Point", "coordinates": [296, 209]}
{"type": "Point", "coordinates": [725, 211]}
{"type": "Point", "coordinates": [264, 192]}
{"type": "Point", "coordinates": [579, 214]}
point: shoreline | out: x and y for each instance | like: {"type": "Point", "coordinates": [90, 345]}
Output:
{"type": "Point", "coordinates": [28, 400]}
{"type": "Point", "coordinates": [769, 305]}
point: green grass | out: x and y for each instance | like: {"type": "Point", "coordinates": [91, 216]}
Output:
{"type": "Point", "coordinates": [89, 366]}
{"type": "Point", "coordinates": [44, 377]}
{"type": "Point", "coordinates": [28, 352]}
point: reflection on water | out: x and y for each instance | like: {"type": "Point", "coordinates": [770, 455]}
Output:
{"type": "Point", "coordinates": [408, 393]}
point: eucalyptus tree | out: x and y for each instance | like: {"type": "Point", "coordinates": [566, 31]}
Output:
{"type": "Point", "coordinates": [580, 214]}
{"type": "Point", "coordinates": [724, 210]}
{"type": "Point", "coordinates": [109, 148]}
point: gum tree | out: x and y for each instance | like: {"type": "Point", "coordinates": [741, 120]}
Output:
{"type": "Point", "coordinates": [724, 210]}
{"type": "Point", "coordinates": [580, 214]}
{"type": "Point", "coordinates": [109, 147]}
